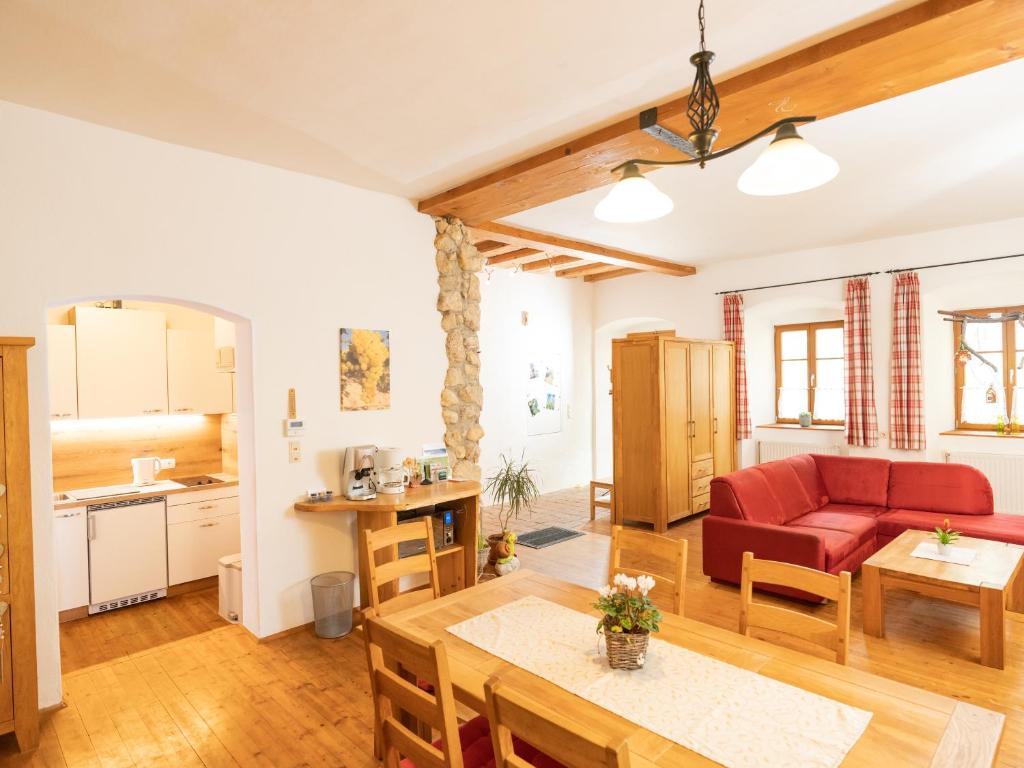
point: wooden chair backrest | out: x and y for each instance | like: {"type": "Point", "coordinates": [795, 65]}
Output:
{"type": "Point", "coordinates": [388, 573]}
{"type": "Point", "coordinates": [776, 618]}
{"type": "Point", "coordinates": [397, 662]}
{"type": "Point", "coordinates": [513, 714]}
{"type": "Point", "coordinates": [668, 550]}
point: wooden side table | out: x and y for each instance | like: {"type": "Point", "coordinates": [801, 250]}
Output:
{"type": "Point", "coordinates": [992, 583]}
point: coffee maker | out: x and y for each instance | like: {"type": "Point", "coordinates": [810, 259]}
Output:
{"type": "Point", "coordinates": [391, 474]}
{"type": "Point", "coordinates": [357, 475]}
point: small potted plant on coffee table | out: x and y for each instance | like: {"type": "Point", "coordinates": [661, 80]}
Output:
{"type": "Point", "coordinates": [944, 537]}
{"type": "Point", "coordinates": [628, 621]}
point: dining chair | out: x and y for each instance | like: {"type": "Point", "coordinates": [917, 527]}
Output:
{"type": "Point", "coordinates": [554, 740]}
{"type": "Point", "coordinates": [787, 621]}
{"type": "Point", "coordinates": [395, 697]}
{"type": "Point", "coordinates": [387, 575]}
{"type": "Point", "coordinates": [646, 545]}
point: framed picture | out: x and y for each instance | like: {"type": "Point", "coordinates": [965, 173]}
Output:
{"type": "Point", "coordinates": [365, 369]}
{"type": "Point", "coordinates": [543, 396]}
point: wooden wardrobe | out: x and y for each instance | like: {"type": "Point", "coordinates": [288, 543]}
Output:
{"type": "Point", "coordinates": [673, 424]}
{"type": "Point", "coordinates": [19, 697]}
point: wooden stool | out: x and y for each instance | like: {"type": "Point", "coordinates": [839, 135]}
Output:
{"type": "Point", "coordinates": [601, 485]}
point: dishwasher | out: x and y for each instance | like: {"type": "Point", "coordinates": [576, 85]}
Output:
{"type": "Point", "coordinates": [127, 552]}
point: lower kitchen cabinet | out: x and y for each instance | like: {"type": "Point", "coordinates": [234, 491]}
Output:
{"type": "Point", "coordinates": [195, 546]}
{"type": "Point", "coordinates": [69, 533]}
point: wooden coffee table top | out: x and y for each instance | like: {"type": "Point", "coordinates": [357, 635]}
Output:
{"type": "Point", "coordinates": [994, 565]}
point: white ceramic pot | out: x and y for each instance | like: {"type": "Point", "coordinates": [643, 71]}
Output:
{"type": "Point", "coordinates": [943, 549]}
{"type": "Point", "coordinates": [503, 569]}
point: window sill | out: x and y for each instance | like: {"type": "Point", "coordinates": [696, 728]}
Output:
{"type": "Point", "coordinates": [981, 433]}
{"type": "Point", "coordinates": [812, 428]}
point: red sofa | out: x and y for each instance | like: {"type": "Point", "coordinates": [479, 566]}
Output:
{"type": "Point", "coordinates": [833, 512]}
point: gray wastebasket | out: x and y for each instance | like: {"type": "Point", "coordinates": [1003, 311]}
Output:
{"type": "Point", "coordinates": [333, 597]}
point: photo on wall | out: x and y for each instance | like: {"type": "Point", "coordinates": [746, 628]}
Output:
{"type": "Point", "coordinates": [543, 396]}
{"type": "Point", "coordinates": [365, 369]}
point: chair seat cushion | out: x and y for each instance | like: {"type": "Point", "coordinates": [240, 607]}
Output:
{"type": "Point", "coordinates": [996, 527]}
{"type": "Point", "coordinates": [861, 527]}
{"type": "Point", "coordinates": [838, 544]}
{"type": "Point", "coordinates": [478, 751]}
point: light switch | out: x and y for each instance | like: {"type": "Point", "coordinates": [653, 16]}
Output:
{"type": "Point", "coordinates": [294, 451]}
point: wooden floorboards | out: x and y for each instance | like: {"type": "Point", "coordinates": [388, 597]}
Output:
{"type": "Point", "coordinates": [170, 684]}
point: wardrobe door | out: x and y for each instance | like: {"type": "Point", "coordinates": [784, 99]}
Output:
{"type": "Point", "coordinates": [677, 421]}
{"type": "Point", "coordinates": [701, 415]}
{"type": "Point", "coordinates": [636, 422]}
{"type": "Point", "coordinates": [723, 398]}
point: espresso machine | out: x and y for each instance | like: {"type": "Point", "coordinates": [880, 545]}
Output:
{"type": "Point", "coordinates": [357, 473]}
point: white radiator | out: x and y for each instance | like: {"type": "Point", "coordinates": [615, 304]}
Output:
{"type": "Point", "coordinates": [1005, 472]}
{"type": "Point", "coordinates": [769, 450]}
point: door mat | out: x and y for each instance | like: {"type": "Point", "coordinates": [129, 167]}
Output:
{"type": "Point", "coordinates": [545, 537]}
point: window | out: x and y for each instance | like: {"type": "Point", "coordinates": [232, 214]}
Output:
{"type": "Point", "coordinates": [809, 372]}
{"type": "Point", "coordinates": [986, 392]}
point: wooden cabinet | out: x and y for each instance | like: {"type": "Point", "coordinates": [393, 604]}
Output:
{"type": "Point", "coordinates": [202, 527]}
{"type": "Point", "coordinates": [61, 366]}
{"type": "Point", "coordinates": [194, 385]}
{"type": "Point", "coordinates": [122, 362]}
{"type": "Point", "coordinates": [69, 533]}
{"type": "Point", "coordinates": [672, 424]}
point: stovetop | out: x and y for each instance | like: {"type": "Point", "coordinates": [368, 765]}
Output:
{"type": "Point", "coordinates": [196, 480]}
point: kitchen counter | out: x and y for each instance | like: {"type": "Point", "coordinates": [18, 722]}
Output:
{"type": "Point", "coordinates": [161, 488]}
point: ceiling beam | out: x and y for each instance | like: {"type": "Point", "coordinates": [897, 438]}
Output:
{"type": "Point", "coordinates": [528, 238]}
{"type": "Point", "coordinates": [548, 262]}
{"type": "Point", "coordinates": [926, 44]}
{"type": "Point", "coordinates": [512, 257]}
{"type": "Point", "coordinates": [585, 269]}
{"type": "Point", "coordinates": [485, 246]}
{"type": "Point", "coordinates": [609, 275]}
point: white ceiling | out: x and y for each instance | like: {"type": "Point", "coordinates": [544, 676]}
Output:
{"type": "Point", "coordinates": [403, 96]}
{"type": "Point", "coordinates": [945, 156]}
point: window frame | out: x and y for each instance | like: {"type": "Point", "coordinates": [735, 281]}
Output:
{"type": "Point", "coordinates": [812, 364]}
{"type": "Point", "coordinates": [1009, 365]}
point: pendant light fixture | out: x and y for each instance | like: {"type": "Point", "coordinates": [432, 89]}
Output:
{"type": "Point", "coordinates": [787, 165]}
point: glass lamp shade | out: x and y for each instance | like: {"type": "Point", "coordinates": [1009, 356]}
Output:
{"type": "Point", "coordinates": [787, 165]}
{"type": "Point", "coordinates": [633, 199]}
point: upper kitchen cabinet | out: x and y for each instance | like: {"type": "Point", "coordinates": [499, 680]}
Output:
{"type": "Point", "coordinates": [60, 355]}
{"type": "Point", "coordinates": [193, 383]}
{"type": "Point", "coordinates": [122, 362]}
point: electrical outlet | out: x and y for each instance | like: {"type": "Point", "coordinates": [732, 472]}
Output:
{"type": "Point", "coordinates": [168, 463]}
{"type": "Point", "coordinates": [294, 451]}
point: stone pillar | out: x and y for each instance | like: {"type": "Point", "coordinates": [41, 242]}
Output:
{"type": "Point", "coordinates": [458, 301]}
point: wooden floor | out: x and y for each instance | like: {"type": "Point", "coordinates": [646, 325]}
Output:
{"type": "Point", "coordinates": [169, 684]}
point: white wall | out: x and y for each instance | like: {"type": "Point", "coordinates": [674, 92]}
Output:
{"type": "Point", "coordinates": [559, 324]}
{"type": "Point", "coordinates": [88, 211]}
{"type": "Point", "coordinates": [692, 306]}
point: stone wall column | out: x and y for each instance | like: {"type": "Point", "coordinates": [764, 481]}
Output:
{"type": "Point", "coordinates": [458, 301]}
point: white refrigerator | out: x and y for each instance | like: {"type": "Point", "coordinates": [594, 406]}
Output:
{"type": "Point", "coordinates": [127, 552]}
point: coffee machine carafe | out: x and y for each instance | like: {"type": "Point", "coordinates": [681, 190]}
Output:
{"type": "Point", "coordinates": [357, 475]}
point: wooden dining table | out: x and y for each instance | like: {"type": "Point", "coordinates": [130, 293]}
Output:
{"type": "Point", "coordinates": [909, 727]}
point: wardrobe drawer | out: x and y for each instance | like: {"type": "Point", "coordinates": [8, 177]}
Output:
{"type": "Point", "coordinates": [700, 469]}
{"type": "Point", "coordinates": [701, 503]}
{"type": "Point", "coordinates": [701, 485]}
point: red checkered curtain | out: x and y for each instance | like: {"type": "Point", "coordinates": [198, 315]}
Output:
{"type": "Point", "coordinates": [906, 410]}
{"type": "Point", "coordinates": [733, 306]}
{"type": "Point", "coordinates": [861, 415]}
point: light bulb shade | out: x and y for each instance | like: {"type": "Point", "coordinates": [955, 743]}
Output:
{"type": "Point", "coordinates": [787, 165]}
{"type": "Point", "coordinates": [632, 200]}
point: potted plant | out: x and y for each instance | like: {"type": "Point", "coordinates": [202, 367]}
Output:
{"type": "Point", "coordinates": [628, 621]}
{"type": "Point", "coordinates": [944, 537]}
{"type": "Point", "coordinates": [513, 490]}
{"type": "Point", "coordinates": [805, 418]}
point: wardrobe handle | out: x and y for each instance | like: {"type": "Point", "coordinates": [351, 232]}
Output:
{"type": "Point", "coordinates": [716, 424]}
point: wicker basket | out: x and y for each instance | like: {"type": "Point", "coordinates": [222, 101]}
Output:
{"type": "Point", "coordinates": [626, 651]}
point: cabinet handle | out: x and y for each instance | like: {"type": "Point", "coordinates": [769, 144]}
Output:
{"type": "Point", "coordinates": [716, 425]}
{"type": "Point", "coordinates": [207, 525]}
{"type": "Point", "coordinates": [207, 506]}
{"type": "Point", "coordinates": [90, 528]}
{"type": "Point", "coordinates": [69, 514]}
{"type": "Point", "coordinates": [184, 410]}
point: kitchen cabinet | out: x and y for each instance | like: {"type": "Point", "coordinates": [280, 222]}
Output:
{"type": "Point", "coordinates": [121, 362]}
{"type": "Point", "coordinates": [61, 365]}
{"type": "Point", "coordinates": [69, 533]}
{"type": "Point", "coordinates": [194, 385]}
{"type": "Point", "coordinates": [202, 527]}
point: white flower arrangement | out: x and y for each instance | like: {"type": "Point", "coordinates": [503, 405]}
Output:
{"type": "Point", "coordinates": [627, 606]}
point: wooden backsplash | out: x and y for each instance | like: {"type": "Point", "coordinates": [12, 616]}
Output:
{"type": "Point", "coordinates": [87, 458]}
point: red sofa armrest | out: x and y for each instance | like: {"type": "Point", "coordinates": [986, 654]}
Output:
{"type": "Point", "coordinates": [726, 539]}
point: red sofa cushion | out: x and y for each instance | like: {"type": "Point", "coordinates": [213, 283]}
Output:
{"type": "Point", "coordinates": [933, 487]}
{"type": "Point", "coordinates": [807, 471]}
{"type": "Point", "coordinates": [861, 527]}
{"type": "Point", "coordinates": [745, 494]}
{"type": "Point", "coordinates": [854, 479]}
{"type": "Point", "coordinates": [788, 490]}
{"type": "Point", "coordinates": [997, 527]}
{"type": "Point", "coordinates": [838, 544]}
{"type": "Point", "coordinates": [854, 509]}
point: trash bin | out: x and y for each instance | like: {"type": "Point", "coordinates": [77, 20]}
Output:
{"type": "Point", "coordinates": [333, 597]}
{"type": "Point", "coordinates": [229, 580]}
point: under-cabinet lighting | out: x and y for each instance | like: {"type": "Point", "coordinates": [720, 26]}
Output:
{"type": "Point", "coordinates": [127, 422]}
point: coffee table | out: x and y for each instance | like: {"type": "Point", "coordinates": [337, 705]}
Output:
{"type": "Point", "coordinates": [992, 582]}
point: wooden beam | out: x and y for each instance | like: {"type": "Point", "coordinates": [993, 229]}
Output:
{"type": "Point", "coordinates": [485, 246]}
{"type": "Point", "coordinates": [589, 251]}
{"type": "Point", "coordinates": [548, 262]}
{"type": "Point", "coordinates": [609, 275]}
{"type": "Point", "coordinates": [512, 257]}
{"type": "Point", "coordinates": [586, 269]}
{"type": "Point", "coordinates": [921, 46]}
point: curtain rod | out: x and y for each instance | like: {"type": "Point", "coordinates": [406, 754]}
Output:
{"type": "Point", "coordinates": [869, 274]}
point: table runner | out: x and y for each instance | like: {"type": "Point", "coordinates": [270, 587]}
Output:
{"type": "Point", "coordinates": [733, 716]}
